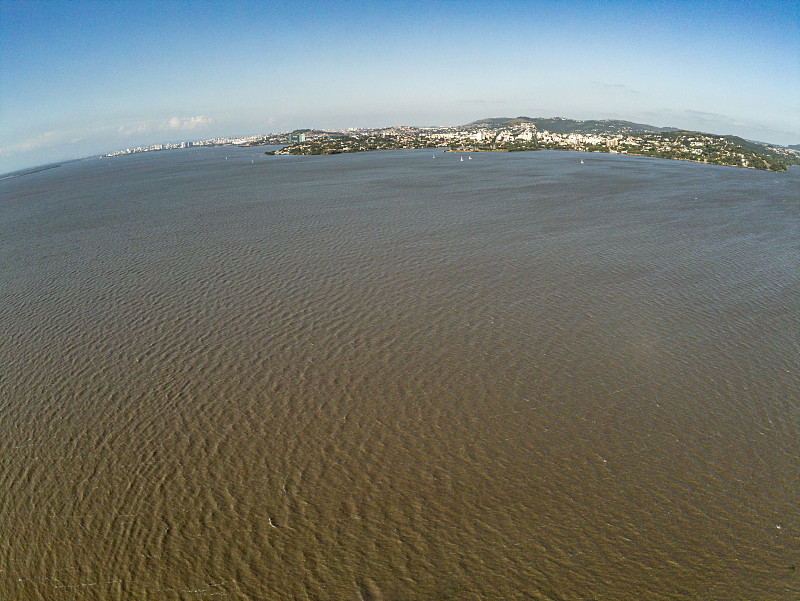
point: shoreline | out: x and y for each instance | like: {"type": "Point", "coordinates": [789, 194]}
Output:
{"type": "Point", "coordinates": [511, 150]}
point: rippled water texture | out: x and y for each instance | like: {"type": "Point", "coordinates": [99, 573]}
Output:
{"type": "Point", "coordinates": [392, 376]}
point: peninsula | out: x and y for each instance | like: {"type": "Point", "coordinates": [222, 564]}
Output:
{"type": "Point", "coordinates": [525, 134]}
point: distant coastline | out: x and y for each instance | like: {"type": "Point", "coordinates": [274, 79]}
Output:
{"type": "Point", "coordinates": [502, 134]}
{"type": "Point", "coordinates": [30, 171]}
{"type": "Point", "coordinates": [527, 134]}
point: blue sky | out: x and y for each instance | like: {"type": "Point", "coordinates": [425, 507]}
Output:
{"type": "Point", "coordinates": [82, 78]}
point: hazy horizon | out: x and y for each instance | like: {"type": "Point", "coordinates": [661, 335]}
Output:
{"type": "Point", "coordinates": [82, 79]}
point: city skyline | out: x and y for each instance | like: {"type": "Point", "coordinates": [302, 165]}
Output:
{"type": "Point", "coordinates": [80, 79]}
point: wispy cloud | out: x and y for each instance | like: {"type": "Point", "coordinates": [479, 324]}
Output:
{"type": "Point", "coordinates": [480, 101]}
{"type": "Point", "coordinates": [132, 130]}
{"type": "Point", "coordinates": [173, 124]}
{"type": "Point", "coordinates": [615, 86]}
{"type": "Point", "coordinates": [708, 116]}
{"type": "Point", "coordinates": [184, 123]}
{"type": "Point", "coordinates": [48, 138]}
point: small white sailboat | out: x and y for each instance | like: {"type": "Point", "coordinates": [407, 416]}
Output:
{"type": "Point", "coordinates": [581, 161]}
{"type": "Point", "coordinates": [462, 159]}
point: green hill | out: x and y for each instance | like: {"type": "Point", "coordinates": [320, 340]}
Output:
{"type": "Point", "coordinates": [568, 126]}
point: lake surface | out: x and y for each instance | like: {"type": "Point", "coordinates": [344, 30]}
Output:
{"type": "Point", "coordinates": [392, 376]}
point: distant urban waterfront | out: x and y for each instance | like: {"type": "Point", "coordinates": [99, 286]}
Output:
{"type": "Point", "coordinates": [399, 375]}
{"type": "Point", "coordinates": [521, 134]}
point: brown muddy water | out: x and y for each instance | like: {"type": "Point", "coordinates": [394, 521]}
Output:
{"type": "Point", "coordinates": [392, 376]}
